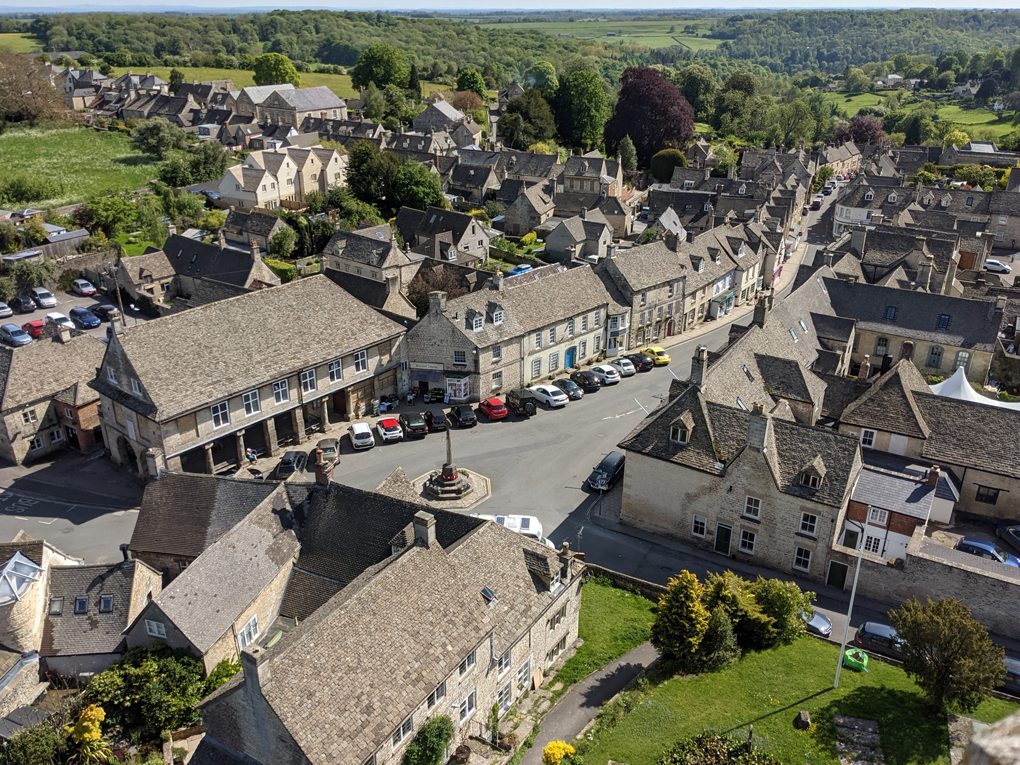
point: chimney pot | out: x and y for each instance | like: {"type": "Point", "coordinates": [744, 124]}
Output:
{"type": "Point", "coordinates": [933, 475]}
{"type": "Point", "coordinates": [865, 370]}
{"type": "Point", "coordinates": [424, 528]}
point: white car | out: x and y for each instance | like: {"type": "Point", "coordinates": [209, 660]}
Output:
{"type": "Point", "coordinates": [624, 366]}
{"type": "Point", "coordinates": [389, 429]}
{"type": "Point", "coordinates": [361, 435]}
{"type": "Point", "coordinates": [550, 395]}
{"type": "Point", "coordinates": [527, 525]}
{"type": "Point", "coordinates": [997, 266]}
{"type": "Point", "coordinates": [44, 297]}
{"type": "Point", "coordinates": [60, 320]}
{"type": "Point", "coordinates": [607, 374]}
{"type": "Point", "coordinates": [83, 287]}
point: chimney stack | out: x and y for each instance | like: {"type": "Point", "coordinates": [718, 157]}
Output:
{"type": "Point", "coordinates": [63, 334]}
{"type": "Point", "coordinates": [437, 303]}
{"type": "Point", "coordinates": [933, 475]}
{"type": "Point", "coordinates": [690, 237]}
{"type": "Point", "coordinates": [127, 553]}
{"type": "Point", "coordinates": [171, 229]}
{"type": "Point", "coordinates": [699, 366]}
{"type": "Point", "coordinates": [671, 240]}
{"type": "Point", "coordinates": [761, 310]}
{"type": "Point", "coordinates": [222, 239]}
{"type": "Point", "coordinates": [757, 427]}
{"type": "Point", "coordinates": [565, 557]}
{"type": "Point", "coordinates": [323, 472]}
{"type": "Point", "coordinates": [497, 280]}
{"type": "Point", "coordinates": [424, 529]}
{"type": "Point", "coordinates": [924, 269]}
{"type": "Point", "coordinates": [827, 258]}
{"type": "Point", "coordinates": [865, 370]}
{"type": "Point", "coordinates": [255, 250]}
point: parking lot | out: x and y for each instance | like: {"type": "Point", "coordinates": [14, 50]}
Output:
{"type": "Point", "coordinates": [68, 300]}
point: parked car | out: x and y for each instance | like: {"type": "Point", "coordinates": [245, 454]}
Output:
{"type": "Point", "coordinates": [816, 203]}
{"type": "Point", "coordinates": [523, 402]}
{"type": "Point", "coordinates": [574, 391]}
{"type": "Point", "coordinates": [587, 380]}
{"type": "Point", "coordinates": [1011, 682]}
{"type": "Point", "coordinates": [605, 475]}
{"type": "Point", "coordinates": [12, 334]}
{"type": "Point", "coordinates": [23, 304]}
{"type": "Point", "coordinates": [997, 266]}
{"type": "Point", "coordinates": [361, 435]}
{"type": "Point", "coordinates": [624, 366]}
{"type": "Point", "coordinates": [34, 327]}
{"type": "Point", "coordinates": [816, 622]}
{"type": "Point", "coordinates": [5, 311]}
{"type": "Point", "coordinates": [642, 362]}
{"type": "Point", "coordinates": [292, 463]}
{"type": "Point", "coordinates": [659, 356]}
{"type": "Point", "coordinates": [413, 424]}
{"type": "Point", "coordinates": [83, 287]}
{"type": "Point", "coordinates": [880, 638]}
{"type": "Point", "coordinates": [986, 550]}
{"type": "Point", "coordinates": [607, 374]}
{"type": "Point", "coordinates": [106, 312]}
{"type": "Point", "coordinates": [84, 318]}
{"type": "Point", "coordinates": [826, 191]}
{"type": "Point", "coordinates": [525, 525]}
{"type": "Point", "coordinates": [59, 319]}
{"type": "Point", "coordinates": [330, 449]}
{"type": "Point", "coordinates": [550, 395]}
{"type": "Point", "coordinates": [1009, 532]}
{"type": "Point", "coordinates": [436, 421]}
{"type": "Point", "coordinates": [389, 429]}
{"type": "Point", "coordinates": [464, 416]}
{"type": "Point", "coordinates": [44, 298]}
{"type": "Point", "coordinates": [494, 409]}
{"type": "Point", "coordinates": [523, 268]}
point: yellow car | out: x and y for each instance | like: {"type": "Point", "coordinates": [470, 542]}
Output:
{"type": "Point", "coordinates": [659, 356]}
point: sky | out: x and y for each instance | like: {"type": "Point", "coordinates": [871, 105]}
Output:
{"type": "Point", "coordinates": [466, 6]}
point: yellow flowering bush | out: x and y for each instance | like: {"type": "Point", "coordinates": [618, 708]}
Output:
{"type": "Point", "coordinates": [87, 737]}
{"type": "Point", "coordinates": [555, 751]}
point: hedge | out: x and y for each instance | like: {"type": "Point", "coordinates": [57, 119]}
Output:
{"type": "Point", "coordinates": [286, 271]}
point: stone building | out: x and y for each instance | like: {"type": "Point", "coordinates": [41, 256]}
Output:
{"type": "Point", "coordinates": [293, 107]}
{"type": "Point", "coordinates": [532, 208]}
{"type": "Point", "coordinates": [264, 377]}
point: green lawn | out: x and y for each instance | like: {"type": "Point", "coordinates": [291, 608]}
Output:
{"type": "Point", "coordinates": [19, 43]}
{"type": "Point", "coordinates": [137, 247]}
{"type": "Point", "coordinates": [767, 690]}
{"type": "Point", "coordinates": [654, 34]}
{"type": "Point", "coordinates": [611, 622]}
{"type": "Point", "coordinates": [87, 162]}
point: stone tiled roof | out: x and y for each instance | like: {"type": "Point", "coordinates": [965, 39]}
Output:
{"type": "Point", "coordinates": [398, 486]}
{"type": "Point", "coordinates": [889, 400]}
{"type": "Point", "coordinates": [970, 434]}
{"type": "Point", "coordinates": [184, 513]}
{"type": "Point", "coordinates": [532, 165]}
{"type": "Point", "coordinates": [263, 345]}
{"type": "Point", "coordinates": [538, 199]}
{"type": "Point", "coordinates": [153, 264]}
{"type": "Point", "coordinates": [240, 224]}
{"type": "Point", "coordinates": [896, 492]}
{"type": "Point", "coordinates": [212, 592]}
{"type": "Point", "coordinates": [372, 246]}
{"type": "Point", "coordinates": [26, 545]}
{"type": "Point", "coordinates": [788, 379]}
{"type": "Point", "coordinates": [649, 264]}
{"type": "Point", "coordinates": [310, 99]}
{"type": "Point", "coordinates": [66, 365]}
{"type": "Point", "coordinates": [259, 93]}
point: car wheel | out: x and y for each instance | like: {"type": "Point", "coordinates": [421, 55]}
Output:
{"type": "Point", "coordinates": [529, 409]}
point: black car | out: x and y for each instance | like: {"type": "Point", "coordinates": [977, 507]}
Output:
{"type": "Point", "coordinates": [105, 312]}
{"type": "Point", "coordinates": [464, 416]}
{"type": "Point", "coordinates": [413, 424]}
{"type": "Point", "coordinates": [588, 381]}
{"type": "Point", "coordinates": [571, 388]}
{"type": "Point", "coordinates": [23, 304]}
{"type": "Point", "coordinates": [880, 638]}
{"type": "Point", "coordinates": [523, 402]}
{"type": "Point", "coordinates": [605, 475]}
{"type": "Point", "coordinates": [435, 420]}
{"type": "Point", "coordinates": [292, 462]}
{"type": "Point", "coordinates": [641, 362]}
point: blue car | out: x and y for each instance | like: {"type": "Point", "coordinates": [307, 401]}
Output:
{"type": "Point", "coordinates": [12, 334]}
{"type": "Point", "coordinates": [523, 268]}
{"type": "Point", "coordinates": [84, 318]}
{"type": "Point", "coordinates": [987, 550]}
{"type": "Point", "coordinates": [1009, 531]}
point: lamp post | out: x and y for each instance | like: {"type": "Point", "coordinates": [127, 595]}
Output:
{"type": "Point", "coordinates": [850, 608]}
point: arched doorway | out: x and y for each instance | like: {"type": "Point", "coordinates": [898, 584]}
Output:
{"type": "Point", "coordinates": [907, 350]}
{"type": "Point", "coordinates": [127, 455]}
{"type": "Point", "coordinates": [670, 328]}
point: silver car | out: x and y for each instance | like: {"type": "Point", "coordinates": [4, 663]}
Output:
{"type": "Point", "coordinates": [12, 334]}
{"type": "Point", "coordinates": [5, 311]}
{"type": "Point", "coordinates": [43, 297]}
{"type": "Point", "coordinates": [624, 366]}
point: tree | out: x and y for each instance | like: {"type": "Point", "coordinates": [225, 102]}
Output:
{"type": "Point", "coordinates": [652, 112]}
{"type": "Point", "coordinates": [34, 231]}
{"type": "Point", "coordinates": [26, 94]}
{"type": "Point", "coordinates": [628, 155]}
{"type": "Point", "coordinates": [371, 173]}
{"type": "Point", "coordinates": [471, 79]}
{"type": "Point", "coordinates": [681, 620]}
{"type": "Point", "coordinates": [753, 627]}
{"type": "Point", "coordinates": [212, 220]}
{"type": "Point", "coordinates": [417, 186]}
{"type": "Point", "coordinates": [176, 79]}
{"type": "Point", "coordinates": [10, 239]}
{"type": "Point", "coordinates": [373, 103]}
{"type": "Point", "coordinates": [988, 89]}
{"type": "Point", "coordinates": [382, 64]}
{"type": "Point", "coordinates": [535, 122]}
{"type": "Point", "coordinates": [793, 122]}
{"type": "Point", "coordinates": [977, 175]}
{"type": "Point", "coordinates": [351, 211]}
{"type": "Point", "coordinates": [37, 745]}
{"type": "Point", "coordinates": [175, 171]}
{"type": "Point", "coordinates": [466, 100]}
{"type": "Point", "coordinates": [542, 76]}
{"type": "Point", "coordinates": [158, 137]}
{"type": "Point", "coordinates": [955, 138]}
{"type": "Point", "coordinates": [698, 86]}
{"type": "Point", "coordinates": [275, 69]}
{"type": "Point", "coordinates": [783, 602]}
{"type": "Point", "coordinates": [208, 161]}
{"type": "Point", "coordinates": [107, 214]}
{"type": "Point", "coordinates": [282, 243]}
{"type": "Point", "coordinates": [948, 653]}
{"type": "Point", "coordinates": [719, 646]}
{"type": "Point", "coordinates": [513, 130]}
{"type": "Point", "coordinates": [857, 81]}
{"type": "Point", "coordinates": [861, 129]}
{"type": "Point", "coordinates": [414, 83]}
{"type": "Point", "coordinates": [583, 109]}
{"type": "Point", "coordinates": [428, 747]}
{"type": "Point", "coordinates": [663, 162]}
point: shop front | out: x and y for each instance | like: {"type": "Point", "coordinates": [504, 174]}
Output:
{"type": "Point", "coordinates": [722, 304]}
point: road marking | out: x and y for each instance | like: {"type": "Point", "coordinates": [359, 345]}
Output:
{"type": "Point", "coordinates": [618, 416]}
{"type": "Point", "coordinates": [21, 518]}
{"type": "Point", "coordinates": [47, 523]}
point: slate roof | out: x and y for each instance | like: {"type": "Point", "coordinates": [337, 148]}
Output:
{"type": "Point", "coordinates": [581, 230]}
{"type": "Point", "coordinates": [154, 264]}
{"type": "Point", "coordinates": [189, 257]}
{"type": "Point", "coordinates": [241, 224]}
{"type": "Point", "coordinates": [66, 365]}
{"type": "Point", "coordinates": [970, 434]}
{"type": "Point", "coordinates": [528, 164]}
{"type": "Point", "coordinates": [373, 246]}
{"type": "Point", "coordinates": [890, 400]}
{"type": "Point", "coordinates": [248, 557]}
{"type": "Point", "coordinates": [412, 223]}
{"type": "Point", "coordinates": [648, 265]}
{"type": "Point", "coordinates": [310, 99]}
{"type": "Point", "coordinates": [71, 634]}
{"type": "Point", "coordinates": [205, 291]}
{"type": "Point", "coordinates": [184, 513]}
{"type": "Point", "coordinates": [895, 492]}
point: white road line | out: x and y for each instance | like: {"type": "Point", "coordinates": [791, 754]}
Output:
{"type": "Point", "coordinates": [47, 523]}
{"type": "Point", "coordinates": [20, 518]}
{"type": "Point", "coordinates": [618, 416]}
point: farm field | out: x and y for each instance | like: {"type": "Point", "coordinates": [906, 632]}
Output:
{"type": "Point", "coordinates": [654, 34]}
{"type": "Point", "coordinates": [88, 163]}
{"type": "Point", "coordinates": [19, 43]}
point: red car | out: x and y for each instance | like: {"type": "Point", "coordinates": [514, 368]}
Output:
{"type": "Point", "coordinates": [494, 409]}
{"type": "Point", "coordinates": [34, 327]}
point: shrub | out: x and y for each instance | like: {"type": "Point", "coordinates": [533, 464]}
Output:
{"type": "Point", "coordinates": [706, 749]}
{"type": "Point", "coordinates": [222, 672]}
{"type": "Point", "coordinates": [719, 646]}
{"type": "Point", "coordinates": [87, 737]}
{"type": "Point", "coordinates": [664, 161]}
{"type": "Point", "coordinates": [555, 751]}
{"type": "Point", "coordinates": [681, 620]}
{"type": "Point", "coordinates": [429, 745]}
{"type": "Point", "coordinates": [753, 627]}
{"type": "Point", "coordinates": [784, 602]}
{"type": "Point", "coordinates": [286, 271]}
{"type": "Point", "coordinates": [20, 188]}
{"type": "Point", "coordinates": [39, 745]}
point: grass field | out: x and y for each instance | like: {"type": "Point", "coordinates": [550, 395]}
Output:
{"type": "Point", "coordinates": [981, 119]}
{"type": "Point", "coordinates": [19, 43]}
{"type": "Point", "coordinates": [654, 34]}
{"type": "Point", "coordinates": [88, 163]}
{"type": "Point", "coordinates": [767, 690]}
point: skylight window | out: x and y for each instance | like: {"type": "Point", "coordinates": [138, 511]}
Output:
{"type": "Point", "coordinates": [490, 596]}
{"type": "Point", "coordinates": [17, 576]}
{"type": "Point", "coordinates": [748, 373]}
{"type": "Point", "coordinates": [803, 326]}
{"type": "Point", "coordinates": [794, 336]}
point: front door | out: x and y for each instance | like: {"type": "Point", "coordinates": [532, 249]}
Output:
{"type": "Point", "coordinates": [722, 538]}
{"type": "Point", "coordinates": [837, 574]}
{"type": "Point", "coordinates": [571, 353]}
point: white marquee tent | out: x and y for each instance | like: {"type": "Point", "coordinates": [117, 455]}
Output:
{"type": "Point", "coordinates": [959, 387]}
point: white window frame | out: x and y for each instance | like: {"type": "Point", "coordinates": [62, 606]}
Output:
{"type": "Point", "coordinates": [570, 327]}
{"type": "Point", "coordinates": [538, 339]}
{"type": "Point", "coordinates": [252, 402]}
{"type": "Point", "coordinates": [808, 526]}
{"type": "Point", "coordinates": [30, 416]}
{"type": "Point", "coordinates": [336, 371]}
{"type": "Point", "coordinates": [524, 676]}
{"type": "Point", "coordinates": [878, 516]}
{"type": "Point", "coordinates": [460, 358]}
{"type": "Point", "coordinates": [111, 375]}
{"type": "Point", "coordinates": [56, 436]}
{"type": "Point", "coordinates": [505, 697]}
{"type": "Point", "coordinates": [35, 444]}
{"type": "Point", "coordinates": [309, 383]}
{"type": "Point", "coordinates": [552, 335]}
{"type": "Point", "coordinates": [584, 323]}
{"type": "Point", "coordinates": [868, 438]}
{"type": "Point", "coordinates": [281, 391]}
{"type": "Point", "coordinates": [748, 539]}
{"type": "Point", "coordinates": [403, 731]}
{"type": "Point", "coordinates": [360, 362]}
{"type": "Point", "coordinates": [798, 554]}
{"type": "Point", "coordinates": [675, 433]}
{"type": "Point", "coordinates": [872, 544]}
{"type": "Point", "coordinates": [503, 663]}
{"type": "Point", "coordinates": [136, 387]}
{"type": "Point", "coordinates": [155, 629]}
{"type": "Point", "coordinates": [249, 633]}
{"type": "Point", "coordinates": [554, 361]}
{"type": "Point", "coordinates": [433, 699]}
{"type": "Point", "coordinates": [468, 706]}
{"type": "Point", "coordinates": [536, 368]}
{"type": "Point", "coordinates": [220, 411]}
{"type": "Point", "coordinates": [695, 523]}
{"type": "Point", "coordinates": [497, 380]}
{"type": "Point", "coordinates": [752, 507]}
{"type": "Point", "coordinates": [477, 323]}
{"type": "Point", "coordinates": [497, 316]}
{"type": "Point", "coordinates": [497, 352]}
{"type": "Point", "coordinates": [582, 349]}
{"type": "Point", "coordinates": [466, 664]}
{"type": "Point", "coordinates": [598, 343]}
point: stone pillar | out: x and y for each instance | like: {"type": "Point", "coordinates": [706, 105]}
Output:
{"type": "Point", "coordinates": [173, 464]}
{"type": "Point", "coordinates": [297, 419]}
{"type": "Point", "coordinates": [210, 465]}
{"type": "Point", "coordinates": [269, 428]}
{"type": "Point", "coordinates": [242, 460]}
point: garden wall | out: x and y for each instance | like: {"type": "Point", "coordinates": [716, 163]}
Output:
{"type": "Point", "coordinates": [645, 589]}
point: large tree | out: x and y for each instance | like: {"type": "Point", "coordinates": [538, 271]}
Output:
{"type": "Point", "coordinates": [948, 652]}
{"type": "Point", "coordinates": [699, 87]}
{"type": "Point", "coordinates": [542, 76]}
{"type": "Point", "coordinates": [528, 119]}
{"type": "Point", "coordinates": [371, 174]}
{"type": "Point", "coordinates": [382, 64]}
{"type": "Point", "coordinates": [862, 129]}
{"type": "Point", "coordinates": [417, 186]}
{"type": "Point", "coordinates": [652, 112]}
{"type": "Point", "coordinates": [158, 137]}
{"type": "Point", "coordinates": [275, 69]}
{"type": "Point", "coordinates": [583, 109]}
{"type": "Point", "coordinates": [471, 79]}
{"type": "Point", "coordinates": [680, 620]}
{"type": "Point", "coordinates": [26, 94]}
{"type": "Point", "coordinates": [176, 79]}
{"type": "Point", "coordinates": [792, 122]}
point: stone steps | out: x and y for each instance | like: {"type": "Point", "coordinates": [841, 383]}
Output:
{"type": "Point", "coordinates": [857, 741]}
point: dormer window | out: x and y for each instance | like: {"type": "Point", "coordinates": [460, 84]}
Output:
{"type": "Point", "coordinates": [701, 266]}
{"type": "Point", "coordinates": [688, 185]}
{"type": "Point", "coordinates": [705, 208]}
{"type": "Point", "coordinates": [868, 197]}
{"type": "Point", "coordinates": [810, 480]}
{"type": "Point", "coordinates": [890, 313]}
{"type": "Point", "coordinates": [892, 197]}
{"type": "Point", "coordinates": [678, 434]}
{"type": "Point", "coordinates": [497, 316]}
{"type": "Point", "coordinates": [813, 473]}
{"type": "Point", "coordinates": [476, 323]}
{"type": "Point", "coordinates": [944, 320]}
{"type": "Point", "coordinates": [742, 190]}
{"type": "Point", "coordinates": [111, 375]}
